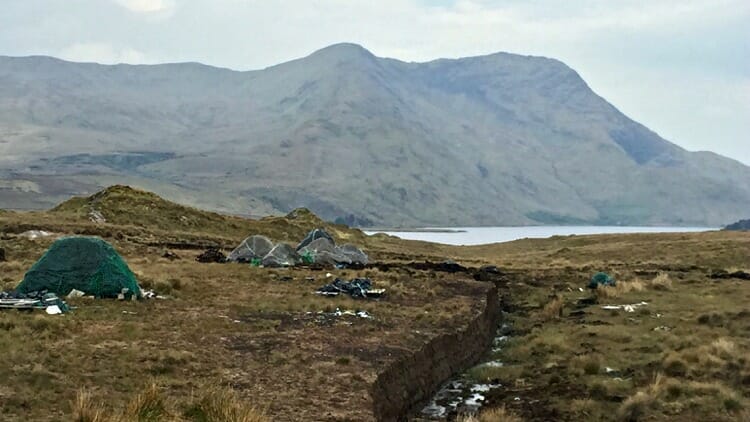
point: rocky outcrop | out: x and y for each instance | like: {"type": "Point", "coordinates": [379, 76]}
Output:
{"type": "Point", "coordinates": [412, 379]}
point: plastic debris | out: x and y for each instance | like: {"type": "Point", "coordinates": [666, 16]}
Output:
{"type": "Point", "coordinates": [626, 308]}
{"type": "Point", "coordinates": [75, 293]}
{"type": "Point", "coordinates": [358, 288]}
{"type": "Point", "coordinates": [150, 294]}
{"type": "Point", "coordinates": [33, 300]}
{"type": "Point", "coordinates": [54, 310]}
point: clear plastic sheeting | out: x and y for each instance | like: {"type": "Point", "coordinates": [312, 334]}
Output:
{"type": "Point", "coordinates": [254, 247]}
{"type": "Point", "coordinates": [314, 235]}
{"type": "Point", "coordinates": [282, 255]}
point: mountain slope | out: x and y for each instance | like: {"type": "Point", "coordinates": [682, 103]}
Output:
{"type": "Point", "coordinates": [498, 139]}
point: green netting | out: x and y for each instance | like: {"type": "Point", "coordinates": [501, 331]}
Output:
{"type": "Point", "coordinates": [88, 264]}
{"type": "Point", "coordinates": [603, 279]}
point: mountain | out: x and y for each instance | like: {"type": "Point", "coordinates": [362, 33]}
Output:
{"type": "Point", "coordinates": [501, 139]}
{"type": "Point", "coordinates": [741, 225]}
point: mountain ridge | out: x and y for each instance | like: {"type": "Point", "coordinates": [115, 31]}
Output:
{"type": "Point", "coordinates": [487, 140]}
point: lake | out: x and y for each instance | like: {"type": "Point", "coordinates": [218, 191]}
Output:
{"type": "Point", "coordinates": [484, 235]}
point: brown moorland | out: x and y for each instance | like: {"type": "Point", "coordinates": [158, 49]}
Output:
{"type": "Point", "coordinates": [232, 333]}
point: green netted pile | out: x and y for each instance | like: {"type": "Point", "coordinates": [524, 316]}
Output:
{"type": "Point", "coordinates": [88, 264]}
{"type": "Point", "coordinates": [601, 279]}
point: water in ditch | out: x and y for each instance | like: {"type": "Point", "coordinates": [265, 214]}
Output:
{"type": "Point", "coordinates": [462, 395]}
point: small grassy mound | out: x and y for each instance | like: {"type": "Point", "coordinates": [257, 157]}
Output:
{"type": "Point", "coordinates": [126, 206]}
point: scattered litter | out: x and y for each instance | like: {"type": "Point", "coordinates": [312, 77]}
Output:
{"type": "Point", "coordinates": [609, 370]}
{"type": "Point", "coordinates": [75, 293]}
{"type": "Point", "coordinates": [329, 275]}
{"type": "Point", "coordinates": [310, 278]}
{"type": "Point", "coordinates": [626, 308]}
{"type": "Point", "coordinates": [364, 314]}
{"type": "Point", "coordinates": [357, 288]}
{"type": "Point", "coordinates": [150, 294]}
{"type": "Point", "coordinates": [662, 328]}
{"type": "Point", "coordinates": [129, 313]}
{"type": "Point", "coordinates": [54, 310]}
{"type": "Point", "coordinates": [493, 364]}
{"type": "Point", "coordinates": [580, 289]}
{"type": "Point", "coordinates": [125, 294]}
{"type": "Point", "coordinates": [33, 300]}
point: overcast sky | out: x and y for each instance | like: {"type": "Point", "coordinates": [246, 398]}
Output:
{"type": "Point", "coordinates": [681, 67]}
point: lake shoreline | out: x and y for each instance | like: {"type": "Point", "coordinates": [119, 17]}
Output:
{"type": "Point", "coordinates": [471, 236]}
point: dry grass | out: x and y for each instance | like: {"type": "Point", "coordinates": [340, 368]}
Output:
{"type": "Point", "coordinates": [85, 409]}
{"type": "Point", "coordinates": [150, 405]}
{"type": "Point", "coordinates": [498, 414]}
{"type": "Point", "coordinates": [620, 289]}
{"type": "Point", "coordinates": [231, 324]}
{"type": "Point", "coordinates": [225, 324]}
{"type": "Point", "coordinates": [553, 309]}
{"type": "Point", "coordinates": [724, 348]}
{"type": "Point", "coordinates": [636, 406]}
{"type": "Point", "coordinates": [213, 404]}
{"type": "Point", "coordinates": [224, 405]}
{"type": "Point", "coordinates": [661, 282]}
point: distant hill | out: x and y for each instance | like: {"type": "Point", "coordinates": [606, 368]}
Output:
{"type": "Point", "coordinates": [501, 139]}
{"type": "Point", "coordinates": [740, 225]}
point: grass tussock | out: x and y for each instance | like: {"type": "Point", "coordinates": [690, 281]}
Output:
{"type": "Point", "coordinates": [212, 404]}
{"type": "Point", "coordinates": [147, 406]}
{"type": "Point", "coordinates": [220, 404]}
{"type": "Point", "coordinates": [663, 392]}
{"type": "Point", "coordinates": [498, 414]}
{"type": "Point", "coordinates": [621, 288]}
{"type": "Point", "coordinates": [661, 282]}
{"type": "Point", "coordinates": [553, 309]}
{"type": "Point", "coordinates": [85, 409]}
{"type": "Point", "coordinates": [635, 407]}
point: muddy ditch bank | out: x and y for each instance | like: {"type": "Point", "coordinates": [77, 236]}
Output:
{"type": "Point", "coordinates": [409, 382]}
